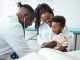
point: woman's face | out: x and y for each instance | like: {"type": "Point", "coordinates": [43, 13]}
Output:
{"type": "Point", "coordinates": [45, 17]}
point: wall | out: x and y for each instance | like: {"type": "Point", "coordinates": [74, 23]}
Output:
{"type": "Point", "coordinates": [7, 7]}
{"type": "Point", "coordinates": [70, 9]}
{"type": "Point", "coordinates": [0, 8]}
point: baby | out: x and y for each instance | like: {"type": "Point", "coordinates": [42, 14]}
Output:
{"type": "Point", "coordinates": [59, 41]}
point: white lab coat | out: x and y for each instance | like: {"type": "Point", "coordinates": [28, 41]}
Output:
{"type": "Point", "coordinates": [12, 36]}
{"type": "Point", "coordinates": [46, 34]}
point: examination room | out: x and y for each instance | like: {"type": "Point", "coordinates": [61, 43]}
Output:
{"type": "Point", "coordinates": [39, 30]}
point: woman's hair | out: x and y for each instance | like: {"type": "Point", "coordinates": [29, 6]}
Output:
{"type": "Point", "coordinates": [26, 6]}
{"type": "Point", "coordinates": [40, 9]}
{"type": "Point", "coordinates": [59, 19]}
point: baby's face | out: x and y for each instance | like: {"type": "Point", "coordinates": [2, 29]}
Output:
{"type": "Point", "coordinates": [56, 27]}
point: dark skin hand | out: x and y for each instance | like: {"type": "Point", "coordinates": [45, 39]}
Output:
{"type": "Point", "coordinates": [51, 44]}
{"type": "Point", "coordinates": [63, 48]}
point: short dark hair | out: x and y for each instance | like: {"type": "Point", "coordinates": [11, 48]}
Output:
{"type": "Point", "coordinates": [26, 6]}
{"type": "Point", "coordinates": [59, 19]}
{"type": "Point", "coordinates": [40, 9]}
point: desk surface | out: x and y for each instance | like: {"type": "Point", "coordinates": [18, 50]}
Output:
{"type": "Point", "coordinates": [75, 30]}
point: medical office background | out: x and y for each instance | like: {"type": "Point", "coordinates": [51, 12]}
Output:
{"type": "Point", "coordinates": [70, 9]}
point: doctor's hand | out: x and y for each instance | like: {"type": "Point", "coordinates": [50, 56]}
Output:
{"type": "Point", "coordinates": [51, 44]}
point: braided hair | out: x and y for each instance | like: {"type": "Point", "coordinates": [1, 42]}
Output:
{"type": "Point", "coordinates": [26, 6]}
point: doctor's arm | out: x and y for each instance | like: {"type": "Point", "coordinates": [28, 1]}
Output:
{"type": "Point", "coordinates": [14, 36]}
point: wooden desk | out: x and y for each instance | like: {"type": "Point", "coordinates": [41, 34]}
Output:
{"type": "Point", "coordinates": [76, 31]}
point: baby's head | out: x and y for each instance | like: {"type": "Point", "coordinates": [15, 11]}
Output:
{"type": "Point", "coordinates": [58, 23]}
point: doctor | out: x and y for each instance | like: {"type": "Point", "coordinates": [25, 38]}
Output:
{"type": "Point", "coordinates": [12, 37]}
{"type": "Point", "coordinates": [43, 13]}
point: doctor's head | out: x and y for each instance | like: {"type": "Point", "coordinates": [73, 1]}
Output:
{"type": "Point", "coordinates": [25, 15]}
{"type": "Point", "coordinates": [43, 13]}
{"type": "Point", "coordinates": [58, 23]}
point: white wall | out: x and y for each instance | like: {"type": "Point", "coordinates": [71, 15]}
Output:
{"type": "Point", "coordinates": [0, 8]}
{"type": "Point", "coordinates": [34, 3]}
{"type": "Point", "coordinates": [70, 9]}
{"type": "Point", "coordinates": [7, 7]}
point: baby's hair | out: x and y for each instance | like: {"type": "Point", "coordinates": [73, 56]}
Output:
{"type": "Point", "coordinates": [59, 19]}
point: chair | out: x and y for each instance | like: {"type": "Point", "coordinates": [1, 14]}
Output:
{"type": "Point", "coordinates": [71, 41]}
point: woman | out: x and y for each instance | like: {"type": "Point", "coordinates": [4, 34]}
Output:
{"type": "Point", "coordinates": [42, 15]}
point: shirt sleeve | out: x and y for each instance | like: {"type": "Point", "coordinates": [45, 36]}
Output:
{"type": "Point", "coordinates": [14, 35]}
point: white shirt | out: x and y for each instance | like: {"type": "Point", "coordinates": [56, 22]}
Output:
{"type": "Point", "coordinates": [12, 36]}
{"type": "Point", "coordinates": [45, 34]}
{"type": "Point", "coordinates": [61, 40]}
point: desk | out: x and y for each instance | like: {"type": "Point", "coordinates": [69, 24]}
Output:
{"type": "Point", "coordinates": [76, 31]}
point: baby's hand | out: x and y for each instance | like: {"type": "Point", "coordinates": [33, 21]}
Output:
{"type": "Point", "coordinates": [51, 44]}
